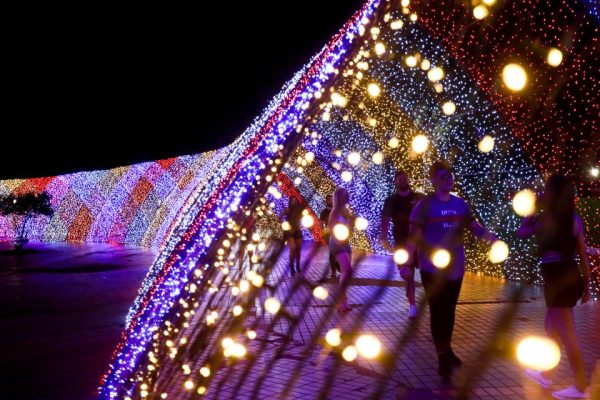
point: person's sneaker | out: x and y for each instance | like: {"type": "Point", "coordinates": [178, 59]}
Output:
{"type": "Point", "coordinates": [454, 360]}
{"type": "Point", "coordinates": [412, 311]}
{"type": "Point", "coordinates": [445, 365]}
{"type": "Point", "coordinates": [570, 393]}
{"type": "Point", "coordinates": [536, 376]}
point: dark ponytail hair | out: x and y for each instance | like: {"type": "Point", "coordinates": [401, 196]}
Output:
{"type": "Point", "coordinates": [558, 205]}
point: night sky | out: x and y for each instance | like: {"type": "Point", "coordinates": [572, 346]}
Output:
{"type": "Point", "coordinates": [114, 78]}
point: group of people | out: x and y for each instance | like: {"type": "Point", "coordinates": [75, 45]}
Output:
{"type": "Point", "coordinates": [423, 225]}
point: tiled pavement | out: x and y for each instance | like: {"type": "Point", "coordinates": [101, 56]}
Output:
{"type": "Point", "coordinates": [62, 311]}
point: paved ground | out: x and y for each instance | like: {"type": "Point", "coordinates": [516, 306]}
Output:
{"type": "Point", "coordinates": [62, 310]}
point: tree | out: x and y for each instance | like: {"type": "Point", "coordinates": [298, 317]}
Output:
{"type": "Point", "coordinates": [24, 207]}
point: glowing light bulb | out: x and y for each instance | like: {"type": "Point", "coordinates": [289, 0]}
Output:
{"type": "Point", "coordinates": [498, 252]}
{"type": "Point", "coordinates": [346, 176]}
{"type": "Point", "coordinates": [361, 223]}
{"type": "Point", "coordinates": [436, 74]}
{"type": "Point", "coordinates": [354, 158]}
{"type": "Point", "coordinates": [524, 203]}
{"type": "Point", "coordinates": [251, 335]}
{"type": "Point", "coordinates": [394, 142]}
{"type": "Point", "coordinates": [425, 65]}
{"type": "Point", "coordinates": [320, 293]}
{"type": "Point", "coordinates": [480, 12]}
{"type": "Point", "coordinates": [341, 232]}
{"type": "Point", "coordinates": [368, 346]}
{"type": "Point", "coordinates": [448, 108]}
{"type": "Point", "coordinates": [400, 256]}
{"type": "Point", "coordinates": [334, 337]}
{"type": "Point", "coordinates": [310, 156]}
{"type": "Point", "coordinates": [379, 49]}
{"type": "Point", "coordinates": [308, 221]}
{"type": "Point", "coordinates": [538, 353]}
{"type": "Point", "coordinates": [411, 61]}
{"type": "Point", "coordinates": [205, 372]}
{"type": "Point", "coordinates": [514, 77]}
{"type": "Point", "coordinates": [373, 89]}
{"type": "Point", "coordinates": [285, 225]}
{"type": "Point", "coordinates": [486, 144]}
{"type": "Point", "coordinates": [554, 57]}
{"type": "Point", "coordinates": [594, 172]}
{"type": "Point", "coordinates": [440, 258]}
{"type": "Point", "coordinates": [419, 144]}
{"type": "Point", "coordinates": [338, 100]}
{"type": "Point", "coordinates": [396, 25]}
{"type": "Point", "coordinates": [272, 305]}
{"type": "Point", "coordinates": [377, 158]}
{"type": "Point", "coordinates": [349, 354]}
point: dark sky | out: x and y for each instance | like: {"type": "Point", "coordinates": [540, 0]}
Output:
{"type": "Point", "coordinates": [89, 87]}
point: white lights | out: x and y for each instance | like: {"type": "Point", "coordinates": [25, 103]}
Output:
{"type": "Point", "coordinates": [538, 353]}
{"type": "Point", "coordinates": [594, 172]}
{"type": "Point", "coordinates": [338, 100]}
{"type": "Point", "coordinates": [320, 293]}
{"type": "Point", "coordinates": [524, 203]}
{"type": "Point", "coordinates": [396, 25]}
{"type": "Point", "coordinates": [411, 61]}
{"type": "Point", "coordinates": [420, 144]}
{"type": "Point", "coordinates": [514, 77]}
{"type": "Point", "coordinates": [349, 354]}
{"type": "Point", "coordinates": [379, 49]}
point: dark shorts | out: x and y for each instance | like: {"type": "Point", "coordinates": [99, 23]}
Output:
{"type": "Point", "coordinates": [292, 235]}
{"type": "Point", "coordinates": [336, 247]}
{"type": "Point", "coordinates": [563, 284]}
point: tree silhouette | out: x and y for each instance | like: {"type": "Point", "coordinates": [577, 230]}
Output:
{"type": "Point", "coordinates": [24, 207]}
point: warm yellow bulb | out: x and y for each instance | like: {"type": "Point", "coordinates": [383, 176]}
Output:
{"type": "Point", "coordinates": [440, 258]}
{"type": "Point", "coordinates": [594, 172]}
{"type": "Point", "coordinates": [238, 350]}
{"type": "Point", "coordinates": [436, 74]}
{"type": "Point", "coordinates": [285, 225]}
{"type": "Point", "coordinates": [480, 12]}
{"type": "Point", "coordinates": [189, 384]}
{"type": "Point", "coordinates": [361, 223]}
{"type": "Point", "coordinates": [201, 390]}
{"type": "Point", "coordinates": [373, 89]}
{"type": "Point", "coordinates": [272, 305]}
{"type": "Point", "coordinates": [237, 310]}
{"type": "Point", "coordinates": [425, 65]}
{"type": "Point", "coordinates": [320, 293]}
{"type": "Point", "coordinates": [448, 108]}
{"type": "Point", "coordinates": [400, 256]}
{"type": "Point", "coordinates": [368, 346]}
{"type": "Point", "coordinates": [310, 156]}
{"type": "Point", "coordinates": [394, 142]}
{"type": "Point", "coordinates": [538, 353]}
{"type": "Point", "coordinates": [379, 49]}
{"type": "Point", "coordinates": [486, 144]}
{"type": "Point", "coordinates": [419, 144]}
{"type": "Point", "coordinates": [227, 342]}
{"type": "Point", "coordinates": [205, 372]}
{"type": "Point", "coordinates": [411, 61]}
{"type": "Point", "coordinates": [489, 2]}
{"type": "Point", "coordinates": [405, 3]}
{"type": "Point", "coordinates": [338, 100]}
{"type": "Point", "coordinates": [349, 354]}
{"type": "Point", "coordinates": [341, 232]}
{"type": "Point", "coordinates": [498, 252]}
{"type": "Point", "coordinates": [524, 203]}
{"type": "Point", "coordinates": [354, 158]}
{"type": "Point", "coordinates": [251, 335]}
{"type": "Point", "coordinates": [395, 25]}
{"type": "Point", "coordinates": [257, 280]}
{"type": "Point", "coordinates": [438, 87]}
{"type": "Point", "coordinates": [307, 221]}
{"type": "Point", "coordinates": [377, 158]}
{"type": "Point", "coordinates": [346, 176]}
{"type": "Point", "coordinates": [413, 17]}
{"type": "Point", "coordinates": [514, 77]}
{"type": "Point", "coordinates": [554, 57]}
{"type": "Point", "coordinates": [334, 337]}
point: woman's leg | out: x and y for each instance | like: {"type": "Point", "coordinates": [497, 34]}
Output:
{"type": "Point", "coordinates": [565, 326]}
{"type": "Point", "coordinates": [298, 251]}
{"type": "Point", "coordinates": [408, 275]}
{"type": "Point", "coordinates": [552, 333]}
{"type": "Point", "coordinates": [292, 253]}
{"type": "Point", "coordinates": [344, 261]}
